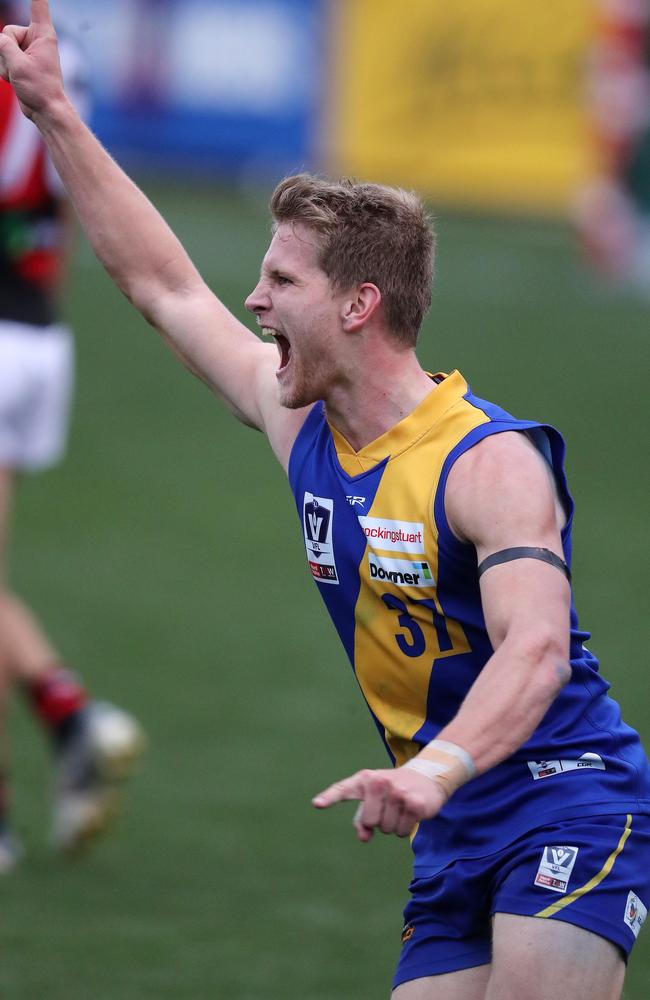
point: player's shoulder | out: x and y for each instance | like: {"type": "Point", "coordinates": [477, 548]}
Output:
{"type": "Point", "coordinates": [507, 453]}
{"type": "Point", "coordinates": [502, 477]}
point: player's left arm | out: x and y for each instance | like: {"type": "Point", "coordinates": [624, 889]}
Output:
{"type": "Point", "coordinates": [500, 495]}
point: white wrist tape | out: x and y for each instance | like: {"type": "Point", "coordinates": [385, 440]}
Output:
{"type": "Point", "coordinates": [445, 763]}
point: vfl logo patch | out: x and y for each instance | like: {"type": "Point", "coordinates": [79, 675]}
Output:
{"type": "Point", "coordinates": [546, 768]}
{"type": "Point", "coordinates": [555, 868]}
{"type": "Point", "coordinates": [635, 913]}
{"type": "Point", "coordinates": [401, 571]}
{"type": "Point", "coordinates": [317, 514]}
{"type": "Point", "coordinates": [394, 536]}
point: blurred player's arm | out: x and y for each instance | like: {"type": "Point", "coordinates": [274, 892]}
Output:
{"type": "Point", "coordinates": [499, 495]}
{"type": "Point", "coordinates": [137, 248]}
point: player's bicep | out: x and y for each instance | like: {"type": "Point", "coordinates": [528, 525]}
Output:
{"type": "Point", "coordinates": [502, 500]}
{"type": "Point", "coordinates": [529, 601]}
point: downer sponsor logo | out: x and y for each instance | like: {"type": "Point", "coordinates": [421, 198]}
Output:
{"type": "Point", "coordinates": [394, 536]}
{"type": "Point", "coordinates": [401, 571]}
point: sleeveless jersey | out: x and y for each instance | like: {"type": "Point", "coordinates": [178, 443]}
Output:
{"type": "Point", "coordinates": [403, 593]}
{"type": "Point", "coordinates": [33, 238]}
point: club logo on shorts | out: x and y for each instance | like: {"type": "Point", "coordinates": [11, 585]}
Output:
{"type": "Point", "coordinates": [555, 868]}
{"type": "Point", "coordinates": [635, 913]}
{"type": "Point", "coordinates": [317, 515]}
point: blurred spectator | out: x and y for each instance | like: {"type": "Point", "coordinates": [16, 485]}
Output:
{"type": "Point", "coordinates": [613, 210]}
{"type": "Point", "coordinates": [94, 743]}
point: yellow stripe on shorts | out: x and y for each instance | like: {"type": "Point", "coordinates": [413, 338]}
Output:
{"type": "Point", "coordinates": [554, 908]}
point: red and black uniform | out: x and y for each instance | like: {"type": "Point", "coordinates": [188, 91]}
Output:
{"type": "Point", "coordinates": [33, 236]}
{"type": "Point", "coordinates": [31, 233]}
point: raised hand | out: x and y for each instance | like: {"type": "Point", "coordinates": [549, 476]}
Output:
{"type": "Point", "coordinates": [29, 60]}
{"type": "Point", "coordinates": [392, 801]}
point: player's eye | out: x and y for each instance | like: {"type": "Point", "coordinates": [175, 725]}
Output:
{"type": "Point", "coordinates": [282, 279]}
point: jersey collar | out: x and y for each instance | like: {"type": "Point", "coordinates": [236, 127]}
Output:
{"type": "Point", "coordinates": [410, 429]}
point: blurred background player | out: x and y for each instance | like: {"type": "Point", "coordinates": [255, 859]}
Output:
{"type": "Point", "coordinates": [94, 744]}
{"type": "Point", "coordinates": [613, 209]}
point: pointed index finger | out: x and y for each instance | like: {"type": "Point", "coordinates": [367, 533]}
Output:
{"type": "Point", "coordinates": [40, 13]}
{"type": "Point", "coordinates": [340, 791]}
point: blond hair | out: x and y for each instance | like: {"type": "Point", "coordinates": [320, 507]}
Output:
{"type": "Point", "coordinates": [367, 232]}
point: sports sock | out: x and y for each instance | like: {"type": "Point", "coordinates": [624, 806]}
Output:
{"type": "Point", "coordinates": [57, 699]}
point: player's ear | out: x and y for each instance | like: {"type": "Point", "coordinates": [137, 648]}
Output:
{"type": "Point", "coordinates": [359, 306]}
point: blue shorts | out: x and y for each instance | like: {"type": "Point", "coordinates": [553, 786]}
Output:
{"type": "Point", "coordinates": [592, 872]}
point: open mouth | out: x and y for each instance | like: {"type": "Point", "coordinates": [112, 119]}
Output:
{"type": "Point", "coordinates": [284, 348]}
{"type": "Point", "coordinates": [283, 345]}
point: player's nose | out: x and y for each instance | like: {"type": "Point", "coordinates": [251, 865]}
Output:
{"type": "Point", "coordinates": [258, 300]}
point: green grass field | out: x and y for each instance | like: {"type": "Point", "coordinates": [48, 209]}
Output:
{"type": "Point", "coordinates": [166, 559]}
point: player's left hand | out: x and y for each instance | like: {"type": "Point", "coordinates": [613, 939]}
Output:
{"type": "Point", "coordinates": [392, 801]}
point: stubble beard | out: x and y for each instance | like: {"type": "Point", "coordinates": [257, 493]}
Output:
{"type": "Point", "coordinates": [296, 399]}
{"type": "Point", "coordinates": [303, 389]}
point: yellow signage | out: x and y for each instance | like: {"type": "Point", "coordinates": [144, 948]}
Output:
{"type": "Point", "coordinates": [473, 102]}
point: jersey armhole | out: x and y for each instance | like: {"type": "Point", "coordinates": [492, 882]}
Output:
{"type": "Point", "coordinates": [546, 439]}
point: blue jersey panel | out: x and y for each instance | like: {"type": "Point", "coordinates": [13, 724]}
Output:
{"type": "Point", "coordinates": [313, 462]}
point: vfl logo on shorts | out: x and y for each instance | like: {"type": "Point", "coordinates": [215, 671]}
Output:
{"type": "Point", "coordinates": [635, 913]}
{"type": "Point", "coordinates": [317, 516]}
{"type": "Point", "coordinates": [555, 868]}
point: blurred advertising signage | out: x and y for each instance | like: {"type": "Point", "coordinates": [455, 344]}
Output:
{"type": "Point", "coordinates": [476, 102]}
{"type": "Point", "coordinates": [233, 85]}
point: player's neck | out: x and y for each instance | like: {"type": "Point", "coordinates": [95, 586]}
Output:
{"type": "Point", "coordinates": [377, 399]}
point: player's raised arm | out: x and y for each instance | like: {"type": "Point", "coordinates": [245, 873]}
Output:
{"type": "Point", "coordinates": [134, 243]}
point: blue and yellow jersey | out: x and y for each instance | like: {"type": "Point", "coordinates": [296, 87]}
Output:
{"type": "Point", "coordinates": [403, 593]}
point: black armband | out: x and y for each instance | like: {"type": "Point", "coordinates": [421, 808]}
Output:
{"type": "Point", "coordinates": [525, 552]}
